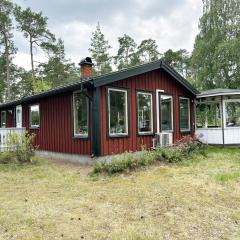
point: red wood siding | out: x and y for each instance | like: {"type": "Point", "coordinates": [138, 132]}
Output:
{"type": "Point", "coordinates": [55, 131]}
{"type": "Point", "coordinates": [150, 81]}
{"type": "Point", "coordinates": [10, 120]}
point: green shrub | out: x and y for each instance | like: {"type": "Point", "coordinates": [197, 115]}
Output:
{"type": "Point", "coordinates": [122, 163]}
{"type": "Point", "coordinates": [185, 148]}
{"type": "Point", "coordinates": [7, 157]}
{"type": "Point", "coordinates": [20, 147]}
{"type": "Point", "coordinates": [128, 161]}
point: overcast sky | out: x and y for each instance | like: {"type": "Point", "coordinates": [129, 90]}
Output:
{"type": "Point", "coordinates": [172, 23]}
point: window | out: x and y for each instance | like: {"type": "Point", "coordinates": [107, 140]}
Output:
{"type": "Point", "coordinates": [166, 115]}
{"type": "Point", "coordinates": [18, 115]}
{"type": "Point", "coordinates": [81, 115]}
{"type": "Point", "coordinates": [208, 115]}
{"type": "Point", "coordinates": [144, 113]}
{"type": "Point", "coordinates": [232, 111]}
{"type": "Point", "coordinates": [3, 119]}
{"type": "Point", "coordinates": [34, 116]}
{"type": "Point", "coordinates": [117, 112]}
{"type": "Point", "coordinates": [184, 112]}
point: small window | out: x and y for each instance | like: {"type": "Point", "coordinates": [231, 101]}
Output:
{"type": "Point", "coordinates": [166, 114]}
{"type": "Point", "coordinates": [34, 116]}
{"type": "Point", "coordinates": [80, 111]}
{"type": "Point", "coordinates": [232, 114]}
{"type": "Point", "coordinates": [184, 111]}
{"type": "Point", "coordinates": [117, 112]}
{"type": "Point", "coordinates": [3, 119]}
{"type": "Point", "coordinates": [144, 113]}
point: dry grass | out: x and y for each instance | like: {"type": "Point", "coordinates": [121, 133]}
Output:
{"type": "Point", "coordinates": [195, 200]}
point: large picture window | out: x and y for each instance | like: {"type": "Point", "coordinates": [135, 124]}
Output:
{"type": "Point", "coordinates": [208, 115]}
{"type": "Point", "coordinates": [3, 119]}
{"type": "Point", "coordinates": [144, 113]}
{"type": "Point", "coordinates": [34, 116]}
{"type": "Point", "coordinates": [232, 112]}
{"type": "Point", "coordinates": [166, 114]}
{"type": "Point", "coordinates": [80, 110]}
{"type": "Point", "coordinates": [184, 112]}
{"type": "Point", "coordinates": [117, 112]}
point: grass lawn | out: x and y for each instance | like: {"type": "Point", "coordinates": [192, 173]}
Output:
{"type": "Point", "coordinates": [195, 200]}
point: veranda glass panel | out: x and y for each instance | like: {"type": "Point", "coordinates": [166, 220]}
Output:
{"type": "Point", "coordinates": [208, 115]}
{"type": "Point", "coordinates": [232, 114]}
{"type": "Point", "coordinates": [166, 112]}
{"type": "Point", "coordinates": [184, 114]}
{"type": "Point", "coordinates": [144, 113]}
{"type": "Point", "coordinates": [117, 112]}
{"type": "Point", "coordinates": [80, 115]}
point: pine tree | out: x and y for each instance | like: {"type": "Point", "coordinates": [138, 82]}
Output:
{"type": "Point", "coordinates": [216, 56]}
{"type": "Point", "coordinates": [99, 52]}
{"type": "Point", "coordinates": [58, 70]}
{"type": "Point", "coordinates": [148, 50]}
{"type": "Point", "coordinates": [127, 55]}
{"type": "Point", "coordinates": [34, 27]}
{"type": "Point", "coordinates": [6, 42]}
{"type": "Point", "coordinates": [179, 60]}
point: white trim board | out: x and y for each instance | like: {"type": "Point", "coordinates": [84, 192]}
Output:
{"type": "Point", "coordinates": [157, 108]}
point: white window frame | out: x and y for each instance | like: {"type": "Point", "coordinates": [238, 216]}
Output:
{"type": "Point", "coordinates": [157, 108]}
{"type": "Point", "coordinates": [5, 112]}
{"type": "Point", "coordinates": [224, 112]}
{"type": "Point", "coordinates": [18, 124]}
{"type": "Point", "coordinates": [74, 114]}
{"type": "Point", "coordinates": [166, 131]}
{"type": "Point", "coordinates": [109, 113]}
{"type": "Point", "coordinates": [149, 94]}
{"type": "Point", "coordinates": [189, 115]}
{"type": "Point", "coordinates": [30, 116]}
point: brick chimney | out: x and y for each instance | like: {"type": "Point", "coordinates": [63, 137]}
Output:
{"type": "Point", "coordinates": [86, 67]}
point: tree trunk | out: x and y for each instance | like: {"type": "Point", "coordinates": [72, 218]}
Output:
{"type": "Point", "coordinates": [7, 65]}
{"type": "Point", "coordinates": [32, 64]}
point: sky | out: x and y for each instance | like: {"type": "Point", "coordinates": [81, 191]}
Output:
{"type": "Point", "coordinates": [172, 23]}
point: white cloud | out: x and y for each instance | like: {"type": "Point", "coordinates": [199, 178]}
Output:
{"type": "Point", "coordinates": [173, 24]}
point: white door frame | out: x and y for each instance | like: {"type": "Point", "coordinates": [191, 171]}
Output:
{"type": "Point", "coordinates": [19, 124]}
{"type": "Point", "coordinates": [157, 106]}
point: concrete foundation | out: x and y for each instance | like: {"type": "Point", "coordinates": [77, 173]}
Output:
{"type": "Point", "coordinates": [66, 157]}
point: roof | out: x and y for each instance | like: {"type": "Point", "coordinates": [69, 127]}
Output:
{"type": "Point", "coordinates": [218, 92]}
{"type": "Point", "coordinates": [105, 79]}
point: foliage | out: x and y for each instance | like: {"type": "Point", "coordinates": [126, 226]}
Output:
{"type": "Point", "coordinates": [99, 52]}
{"type": "Point", "coordinates": [34, 28]}
{"type": "Point", "coordinates": [122, 163]}
{"type": "Point", "coordinates": [7, 45]}
{"type": "Point", "coordinates": [148, 50]}
{"type": "Point", "coordinates": [183, 149]}
{"type": "Point", "coordinates": [20, 148]}
{"type": "Point", "coordinates": [7, 157]}
{"type": "Point", "coordinates": [58, 70]}
{"type": "Point", "coordinates": [127, 53]}
{"type": "Point", "coordinates": [179, 60]}
{"type": "Point", "coordinates": [216, 57]}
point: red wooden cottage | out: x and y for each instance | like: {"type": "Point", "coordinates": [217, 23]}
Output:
{"type": "Point", "coordinates": [112, 113]}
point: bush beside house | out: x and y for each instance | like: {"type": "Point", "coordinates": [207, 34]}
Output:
{"type": "Point", "coordinates": [20, 148]}
{"type": "Point", "coordinates": [183, 149]}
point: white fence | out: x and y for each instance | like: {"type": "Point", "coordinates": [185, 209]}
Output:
{"type": "Point", "coordinates": [215, 136]}
{"type": "Point", "coordinates": [5, 132]}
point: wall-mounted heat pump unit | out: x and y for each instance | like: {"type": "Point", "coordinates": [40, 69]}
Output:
{"type": "Point", "coordinates": [164, 139]}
